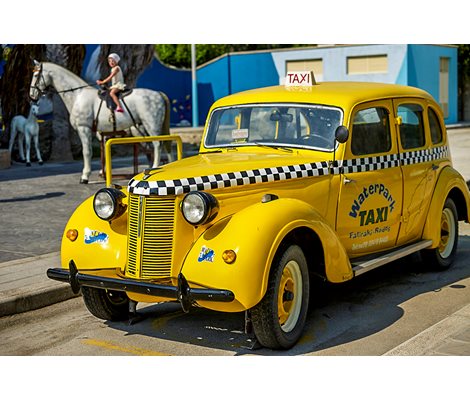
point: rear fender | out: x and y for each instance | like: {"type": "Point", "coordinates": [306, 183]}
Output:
{"type": "Point", "coordinates": [450, 183]}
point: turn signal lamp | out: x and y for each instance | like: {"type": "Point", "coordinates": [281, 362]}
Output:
{"type": "Point", "coordinates": [229, 256]}
{"type": "Point", "coordinates": [72, 235]}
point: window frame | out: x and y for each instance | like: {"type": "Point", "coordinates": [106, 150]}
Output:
{"type": "Point", "coordinates": [272, 104]}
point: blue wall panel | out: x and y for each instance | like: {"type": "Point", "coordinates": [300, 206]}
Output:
{"type": "Point", "coordinates": [175, 83]}
{"type": "Point", "coordinates": [423, 72]}
{"type": "Point", "coordinates": [213, 83]}
{"type": "Point", "coordinates": [251, 71]}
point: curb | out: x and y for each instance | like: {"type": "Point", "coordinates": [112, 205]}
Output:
{"type": "Point", "coordinates": [433, 340]}
{"type": "Point", "coordinates": [36, 299]}
{"type": "Point", "coordinates": [30, 289]}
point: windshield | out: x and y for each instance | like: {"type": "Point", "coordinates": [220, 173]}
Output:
{"type": "Point", "coordinates": [289, 125]}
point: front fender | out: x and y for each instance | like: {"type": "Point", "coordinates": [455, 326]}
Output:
{"type": "Point", "coordinates": [100, 244]}
{"type": "Point", "coordinates": [255, 234]}
{"type": "Point", "coordinates": [448, 180]}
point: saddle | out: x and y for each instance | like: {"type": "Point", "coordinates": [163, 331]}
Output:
{"type": "Point", "coordinates": [104, 95]}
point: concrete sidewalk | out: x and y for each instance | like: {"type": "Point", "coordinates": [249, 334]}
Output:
{"type": "Point", "coordinates": [449, 337]}
{"type": "Point", "coordinates": [24, 285]}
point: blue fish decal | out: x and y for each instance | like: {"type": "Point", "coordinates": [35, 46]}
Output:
{"type": "Point", "coordinates": [206, 254]}
{"type": "Point", "coordinates": [95, 236]}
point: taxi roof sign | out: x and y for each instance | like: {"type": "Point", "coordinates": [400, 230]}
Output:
{"type": "Point", "coordinates": [300, 78]}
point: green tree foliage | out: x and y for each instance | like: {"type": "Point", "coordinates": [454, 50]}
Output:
{"type": "Point", "coordinates": [464, 63]}
{"type": "Point", "coordinates": [179, 55]}
{"type": "Point", "coordinates": [4, 52]}
{"type": "Point", "coordinates": [464, 80]}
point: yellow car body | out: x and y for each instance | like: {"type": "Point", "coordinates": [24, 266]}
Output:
{"type": "Point", "coordinates": [351, 199]}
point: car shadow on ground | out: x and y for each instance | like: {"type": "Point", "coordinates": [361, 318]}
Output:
{"type": "Point", "coordinates": [339, 314]}
{"type": "Point", "coordinates": [31, 198]}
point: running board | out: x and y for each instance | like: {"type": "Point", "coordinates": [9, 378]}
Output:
{"type": "Point", "coordinates": [369, 265]}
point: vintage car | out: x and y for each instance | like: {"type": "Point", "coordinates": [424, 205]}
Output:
{"type": "Point", "coordinates": [291, 182]}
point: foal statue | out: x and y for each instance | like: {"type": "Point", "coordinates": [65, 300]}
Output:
{"type": "Point", "coordinates": [27, 128]}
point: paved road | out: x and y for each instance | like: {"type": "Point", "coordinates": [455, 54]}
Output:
{"type": "Point", "coordinates": [368, 316]}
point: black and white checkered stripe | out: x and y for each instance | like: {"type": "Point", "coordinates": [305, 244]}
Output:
{"type": "Point", "coordinates": [230, 179]}
{"type": "Point", "coordinates": [370, 163]}
{"type": "Point", "coordinates": [240, 178]}
{"type": "Point", "coordinates": [420, 156]}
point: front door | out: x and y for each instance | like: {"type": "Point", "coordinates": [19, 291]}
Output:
{"type": "Point", "coordinates": [370, 200]}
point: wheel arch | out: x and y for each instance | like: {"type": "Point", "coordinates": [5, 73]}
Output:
{"type": "Point", "coordinates": [460, 203]}
{"type": "Point", "coordinates": [309, 241]}
{"type": "Point", "coordinates": [450, 184]}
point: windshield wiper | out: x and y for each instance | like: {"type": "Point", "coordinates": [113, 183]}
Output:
{"type": "Point", "coordinates": [273, 146]}
{"type": "Point", "coordinates": [211, 151]}
{"type": "Point", "coordinates": [232, 148]}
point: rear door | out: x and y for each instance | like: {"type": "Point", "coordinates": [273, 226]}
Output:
{"type": "Point", "coordinates": [418, 165]}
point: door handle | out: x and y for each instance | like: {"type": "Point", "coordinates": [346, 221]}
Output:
{"type": "Point", "coordinates": [347, 180]}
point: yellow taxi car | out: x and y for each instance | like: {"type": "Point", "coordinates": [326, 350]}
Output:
{"type": "Point", "coordinates": [291, 182]}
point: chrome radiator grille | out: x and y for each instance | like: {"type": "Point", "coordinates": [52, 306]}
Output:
{"type": "Point", "coordinates": [150, 236]}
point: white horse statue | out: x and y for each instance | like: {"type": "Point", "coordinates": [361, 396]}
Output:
{"type": "Point", "coordinates": [28, 128]}
{"type": "Point", "coordinates": [149, 109]}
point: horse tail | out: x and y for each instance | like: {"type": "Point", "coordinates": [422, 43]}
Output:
{"type": "Point", "coordinates": [166, 121]}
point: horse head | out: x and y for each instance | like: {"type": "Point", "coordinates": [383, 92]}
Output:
{"type": "Point", "coordinates": [39, 82]}
{"type": "Point", "coordinates": [34, 109]}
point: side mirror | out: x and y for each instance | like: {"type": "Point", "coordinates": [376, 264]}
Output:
{"type": "Point", "coordinates": [341, 134]}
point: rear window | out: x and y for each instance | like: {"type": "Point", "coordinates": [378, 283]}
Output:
{"type": "Point", "coordinates": [411, 128]}
{"type": "Point", "coordinates": [435, 127]}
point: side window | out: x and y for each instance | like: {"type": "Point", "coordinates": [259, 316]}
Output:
{"type": "Point", "coordinates": [411, 128]}
{"type": "Point", "coordinates": [435, 126]}
{"type": "Point", "coordinates": [371, 132]}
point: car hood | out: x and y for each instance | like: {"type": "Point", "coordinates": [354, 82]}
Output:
{"type": "Point", "coordinates": [211, 171]}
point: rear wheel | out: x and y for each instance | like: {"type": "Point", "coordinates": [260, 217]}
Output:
{"type": "Point", "coordinates": [442, 257]}
{"type": "Point", "coordinates": [109, 305]}
{"type": "Point", "coordinates": [279, 318]}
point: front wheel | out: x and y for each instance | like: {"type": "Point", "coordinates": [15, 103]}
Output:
{"type": "Point", "coordinates": [442, 257]}
{"type": "Point", "coordinates": [279, 318]}
{"type": "Point", "coordinates": [109, 305]}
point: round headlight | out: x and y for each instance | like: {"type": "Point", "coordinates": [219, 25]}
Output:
{"type": "Point", "coordinates": [199, 207]}
{"type": "Point", "coordinates": [107, 204]}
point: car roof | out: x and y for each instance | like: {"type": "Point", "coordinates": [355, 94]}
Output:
{"type": "Point", "coordinates": [341, 94]}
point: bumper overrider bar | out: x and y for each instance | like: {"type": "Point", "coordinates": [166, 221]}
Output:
{"type": "Point", "coordinates": [183, 293]}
